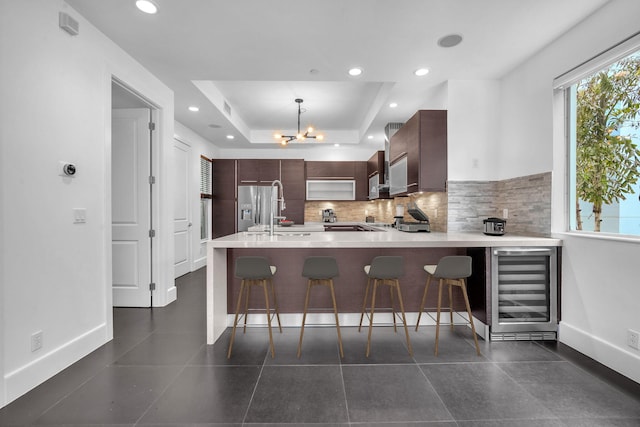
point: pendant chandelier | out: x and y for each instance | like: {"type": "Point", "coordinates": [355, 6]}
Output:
{"type": "Point", "coordinates": [285, 139]}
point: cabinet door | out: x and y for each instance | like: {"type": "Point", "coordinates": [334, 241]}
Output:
{"type": "Point", "coordinates": [294, 211]}
{"type": "Point", "coordinates": [330, 170]}
{"type": "Point", "coordinates": [433, 150]}
{"type": "Point", "coordinates": [269, 170]}
{"type": "Point", "coordinates": [362, 181]}
{"type": "Point", "coordinates": [258, 171]}
{"type": "Point", "coordinates": [292, 177]}
{"type": "Point", "coordinates": [224, 179]}
{"type": "Point", "coordinates": [224, 217]}
{"type": "Point", "coordinates": [375, 165]}
{"type": "Point", "coordinates": [248, 171]}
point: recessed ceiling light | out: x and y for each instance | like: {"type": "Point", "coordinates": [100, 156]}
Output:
{"type": "Point", "coordinates": [355, 71]}
{"type": "Point", "coordinates": [370, 137]}
{"type": "Point", "coordinates": [393, 105]}
{"type": "Point", "coordinates": [336, 145]}
{"type": "Point", "coordinates": [421, 72]}
{"type": "Point", "coordinates": [450, 40]}
{"type": "Point", "coordinates": [147, 6]}
{"type": "Point", "coordinates": [194, 108]}
{"type": "Point", "coordinates": [230, 137]}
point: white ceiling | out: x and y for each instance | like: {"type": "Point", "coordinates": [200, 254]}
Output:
{"type": "Point", "coordinates": [257, 56]}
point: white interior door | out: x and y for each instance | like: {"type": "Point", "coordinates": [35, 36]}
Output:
{"type": "Point", "coordinates": [131, 206]}
{"type": "Point", "coordinates": [181, 211]}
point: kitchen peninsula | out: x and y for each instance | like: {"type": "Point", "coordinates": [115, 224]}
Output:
{"type": "Point", "coordinates": [352, 249]}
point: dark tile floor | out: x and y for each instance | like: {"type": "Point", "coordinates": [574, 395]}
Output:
{"type": "Point", "coordinates": [158, 371]}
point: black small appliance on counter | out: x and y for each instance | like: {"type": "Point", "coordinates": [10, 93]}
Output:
{"type": "Point", "coordinates": [422, 219]}
{"type": "Point", "coordinates": [494, 226]}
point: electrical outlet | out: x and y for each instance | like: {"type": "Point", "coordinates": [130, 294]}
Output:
{"type": "Point", "coordinates": [36, 341]}
{"type": "Point", "coordinates": [505, 213]}
{"type": "Point", "coordinates": [633, 339]}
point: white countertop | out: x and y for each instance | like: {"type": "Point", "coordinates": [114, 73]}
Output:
{"type": "Point", "coordinates": [307, 236]}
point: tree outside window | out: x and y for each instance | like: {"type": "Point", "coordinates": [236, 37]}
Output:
{"type": "Point", "coordinates": [607, 157]}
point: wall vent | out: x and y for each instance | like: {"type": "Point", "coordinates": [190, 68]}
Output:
{"type": "Point", "coordinates": [68, 24]}
{"type": "Point", "coordinates": [227, 108]}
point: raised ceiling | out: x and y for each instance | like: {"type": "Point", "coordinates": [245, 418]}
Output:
{"type": "Point", "coordinates": [252, 58]}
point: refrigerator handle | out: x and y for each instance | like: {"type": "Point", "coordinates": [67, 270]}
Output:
{"type": "Point", "coordinates": [258, 202]}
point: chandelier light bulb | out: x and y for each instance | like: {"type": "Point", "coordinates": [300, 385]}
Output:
{"type": "Point", "coordinates": [320, 137]}
{"type": "Point", "coordinates": [310, 129]}
{"type": "Point", "coordinates": [283, 142]}
{"type": "Point", "coordinates": [277, 136]}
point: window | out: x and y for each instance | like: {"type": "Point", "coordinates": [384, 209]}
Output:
{"type": "Point", "coordinates": [603, 121]}
{"type": "Point", "coordinates": [206, 194]}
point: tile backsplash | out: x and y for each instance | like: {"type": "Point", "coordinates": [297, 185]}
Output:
{"type": "Point", "coordinates": [527, 199]}
{"type": "Point", "coordinates": [462, 208]}
{"type": "Point", "coordinates": [383, 210]}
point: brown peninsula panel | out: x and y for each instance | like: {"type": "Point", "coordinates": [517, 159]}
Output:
{"type": "Point", "coordinates": [350, 285]}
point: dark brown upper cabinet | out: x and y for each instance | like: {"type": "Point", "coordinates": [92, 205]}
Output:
{"type": "Point", "coordinates": [422, 141]}
{"type": "Point", "coordinates": [349, 170]}
{"type": "Point", "coordinates": [258, 171]}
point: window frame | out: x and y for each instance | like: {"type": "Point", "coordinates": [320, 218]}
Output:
{"type": "Point", "coordinates": [562, 86]}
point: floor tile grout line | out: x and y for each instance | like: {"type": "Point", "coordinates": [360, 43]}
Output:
{"type": "Point", "coordinates": [255, 387]}
{"type": "Point", "coordinates": [344, 391]}
{"type": "Point", "coordinates": [161, 394]}
{"type": "Point", "coordinates": [54, 404]}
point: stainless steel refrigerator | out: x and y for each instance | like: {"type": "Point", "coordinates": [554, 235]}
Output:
{"type": "Point", "coordinates": [254, 205]}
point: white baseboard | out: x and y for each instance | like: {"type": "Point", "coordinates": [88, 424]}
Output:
{"type": "Point", "coordinates": [34, 373]}
{"type": "Point", "coordinates": [172, 294]}
{"type": "Point", "coordinates": [199, 263]}
{"type": "Point", "coordinates": [619, 359]}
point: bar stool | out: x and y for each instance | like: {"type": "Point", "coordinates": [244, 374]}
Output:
{"type": "Point", "coordinates": [384, 270]}
{"type": "Point", "coordinates": [255, 271]}
{"type": "Point", "coordinates": [320, 270]}
{"type": "Point", "coordinates": [451, 271]}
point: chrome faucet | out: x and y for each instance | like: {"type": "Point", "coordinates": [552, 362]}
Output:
{"type": "Point", "coordinates": [274, 205]}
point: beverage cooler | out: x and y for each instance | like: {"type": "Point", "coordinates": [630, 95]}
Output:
{"type": "Point", "coordinates": [524, 293]}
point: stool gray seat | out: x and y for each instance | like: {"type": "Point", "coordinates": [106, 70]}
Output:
{"type": "Point", "coordinates": [384, 270]}
{"type": "Point", "coordinates": [255, 271]}
{"type": "Point", "coordinates": [320, 270]}
{"type": "Point", "coordinates": [451, 271]}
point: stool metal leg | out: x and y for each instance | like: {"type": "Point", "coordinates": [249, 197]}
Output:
{"type": "Point", "coordinates": [404, 320]}
{"type": "Point", "coordinates": [304, 315]}
{"type": "Point", "coordinates": [235, 321]}
{"type": "Point", "coordinates": [424, 300]}
{"type": "Point", "coordinates": [373, 305]}
{"type": "Point", "coordinates": [335, 311]}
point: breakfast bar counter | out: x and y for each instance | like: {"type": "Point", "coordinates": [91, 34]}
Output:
{"type": "Point", "coordinates": [352, 249]}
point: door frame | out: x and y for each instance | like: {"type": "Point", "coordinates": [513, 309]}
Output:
{"type": "Point", "coordinates": [190, 192]}
{"type": "Point", "coordinates": [162, 244]}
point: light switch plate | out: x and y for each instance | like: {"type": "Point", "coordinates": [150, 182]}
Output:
{"type": "Point", "coordinates": [79, 215]}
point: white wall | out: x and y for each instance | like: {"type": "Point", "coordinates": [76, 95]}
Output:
{"type": "Point", "coordinates": [473, 130]}
{"type": "Point", "coordinates": [199, 146]}
{"type": "Point", "coordinates": [600, 290]}
{"type": "Point", "coordinates": [55, 105]}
